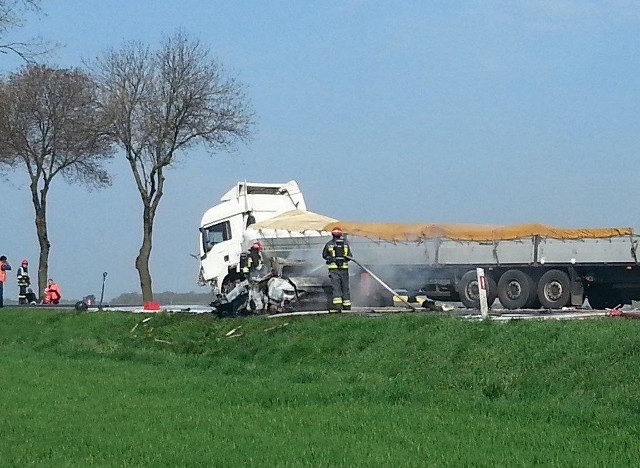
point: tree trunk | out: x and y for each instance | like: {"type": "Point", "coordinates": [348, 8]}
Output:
{"type": "Point", "coordinates": [39, 199]}
{"type": "Point", "coordinates": [45, 246]}
{"type": "Point", "coordinates": [142, 260]}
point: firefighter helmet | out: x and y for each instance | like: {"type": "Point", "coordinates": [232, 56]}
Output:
{"type": "Point", "coordinates": [256, 245]}
{"type": "Point", "coordinates": [25, 261]}
{"type": "Point", "coordinates": [336, 231]}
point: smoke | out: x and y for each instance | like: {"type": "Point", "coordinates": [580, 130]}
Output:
{"type": "Point", "coordinates": [303, 250]}
{"type": "Point", "coordinates": [401, 265]}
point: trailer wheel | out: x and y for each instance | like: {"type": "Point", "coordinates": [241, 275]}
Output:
{"type": "Point", "coordinates": [469, 293]}
{"type": "Point", "coordinates": [515, 289]}
{"type": "Point", "coordinates": [554, 289]}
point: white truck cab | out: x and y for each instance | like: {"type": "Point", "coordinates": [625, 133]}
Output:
{"type": "Point", "coordinates": [222, 227]}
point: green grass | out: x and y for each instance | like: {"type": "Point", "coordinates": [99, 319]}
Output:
{"type": "Point", "coordinates": [87, 389]}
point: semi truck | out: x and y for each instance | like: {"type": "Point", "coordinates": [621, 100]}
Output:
{"type": "Point", "coordinates": [224, 238]}
{"type": "Point", "coordinates": [527, 266]}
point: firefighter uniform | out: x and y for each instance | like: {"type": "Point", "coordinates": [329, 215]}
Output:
{"type": "Point", "coordinates": [23, 282]}
{"type": "Point", "coordinates": [336, 253]}
{"type": "Point", "coordinates": [253, 261]}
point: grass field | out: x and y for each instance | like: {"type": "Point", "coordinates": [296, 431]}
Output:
{"type": "Point", "coordinates": [106, 389]}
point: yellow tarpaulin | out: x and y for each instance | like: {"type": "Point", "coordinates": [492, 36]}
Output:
{"type": "Point", "coordinates": [471, 232]}
{"type": "Point", "coordinates": [301, 221]}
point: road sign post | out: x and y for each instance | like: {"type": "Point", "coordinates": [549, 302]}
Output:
{"type": "Point", "coordinates": [482, 293]}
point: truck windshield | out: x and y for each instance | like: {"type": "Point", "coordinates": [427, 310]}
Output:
{"type": "Point", "coordinates": [215, 234]}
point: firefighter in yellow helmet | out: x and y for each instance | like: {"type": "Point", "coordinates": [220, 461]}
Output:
{"type": "Point", "coordinates": [336, 253]}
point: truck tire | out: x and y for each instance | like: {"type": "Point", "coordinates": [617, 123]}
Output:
{"type": "Point", "coordinates": [468, 290]}
{"type": "Point", "coordinates": [554, 289]}
{"type": "Point", "coordinates": [515, 289]}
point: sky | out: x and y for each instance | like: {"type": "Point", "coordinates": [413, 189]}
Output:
{"type": "Point", "coordinates": [486, 112]}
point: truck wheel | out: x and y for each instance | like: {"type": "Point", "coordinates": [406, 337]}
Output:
{"type": "Point", "coordinates": [515, 289]}
{"type": "Point", "coordinates": [554, 289]}
{"type": "Point", "coordinates": [602, 298]}
{"type": "Point", "coordinates": [469, 293]}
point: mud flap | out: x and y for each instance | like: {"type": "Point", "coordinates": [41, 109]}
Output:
{"type": "Point", "coordinates": [577, 288]}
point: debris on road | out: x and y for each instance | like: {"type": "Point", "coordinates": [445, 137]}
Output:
{"type": "Point", "coordinates": [231, 332]}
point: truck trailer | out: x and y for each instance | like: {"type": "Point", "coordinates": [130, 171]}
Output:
{"type": "Point", "coordinates": [527, 266]}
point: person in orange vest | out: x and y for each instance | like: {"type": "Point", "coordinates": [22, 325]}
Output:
{"type": "Point", "coordinates": [336, 253]}
{"type": "Point", "coordinates": [4, 267]}
{"type": "Point", "coordinates": [52, 293]}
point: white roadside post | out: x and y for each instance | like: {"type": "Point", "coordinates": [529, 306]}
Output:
{"type": "Point", "coordinates": [482, 292]}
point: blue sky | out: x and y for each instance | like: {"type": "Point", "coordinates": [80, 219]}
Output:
{"type": "Point", "coordinates": [489, 111]}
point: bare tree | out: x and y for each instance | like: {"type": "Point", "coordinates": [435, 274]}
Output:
{"type": "Point", "coordinates": [50, 124]}
{"type": "Point", "coordinates": [12, 14]}
{"type": "Point", "coordinates": [164, 102]}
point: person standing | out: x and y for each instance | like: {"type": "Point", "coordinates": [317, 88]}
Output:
{"type": "Point", "coordinates": [336, 253]}
{"type": "Point", "coordinates": [4, 267]}
{"type": "Point", "coordinates": [23, 281]}
{"type": "Point", "coordinates": [252, 262]}
{"type": "Point", "coordinates": [256, 260]}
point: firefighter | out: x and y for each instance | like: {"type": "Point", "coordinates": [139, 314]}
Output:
{"type": "Point", "coordinates": [254, 260]}
{"type": "Point", "coordinates": [4, 267]}
{"type": "Point", "coordinates": [23, 281]}
{"type": "Point", "coordinates": [336, 253]}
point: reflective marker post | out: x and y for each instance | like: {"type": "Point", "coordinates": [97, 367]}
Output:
{"type": "Point", "coordinates": [482, 293]}
{"type": "Point", "coordinates": [104, 277]}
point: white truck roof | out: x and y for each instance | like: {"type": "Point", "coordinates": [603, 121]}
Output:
{"type": "Point", "coordinates": [263, 200]}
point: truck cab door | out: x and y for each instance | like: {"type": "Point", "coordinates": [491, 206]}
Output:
{"type": "Point", "coordinates": [219, 250]}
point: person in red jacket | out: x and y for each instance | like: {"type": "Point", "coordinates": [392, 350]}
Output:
{"type": "Point", "coordinates": [52, 293]}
